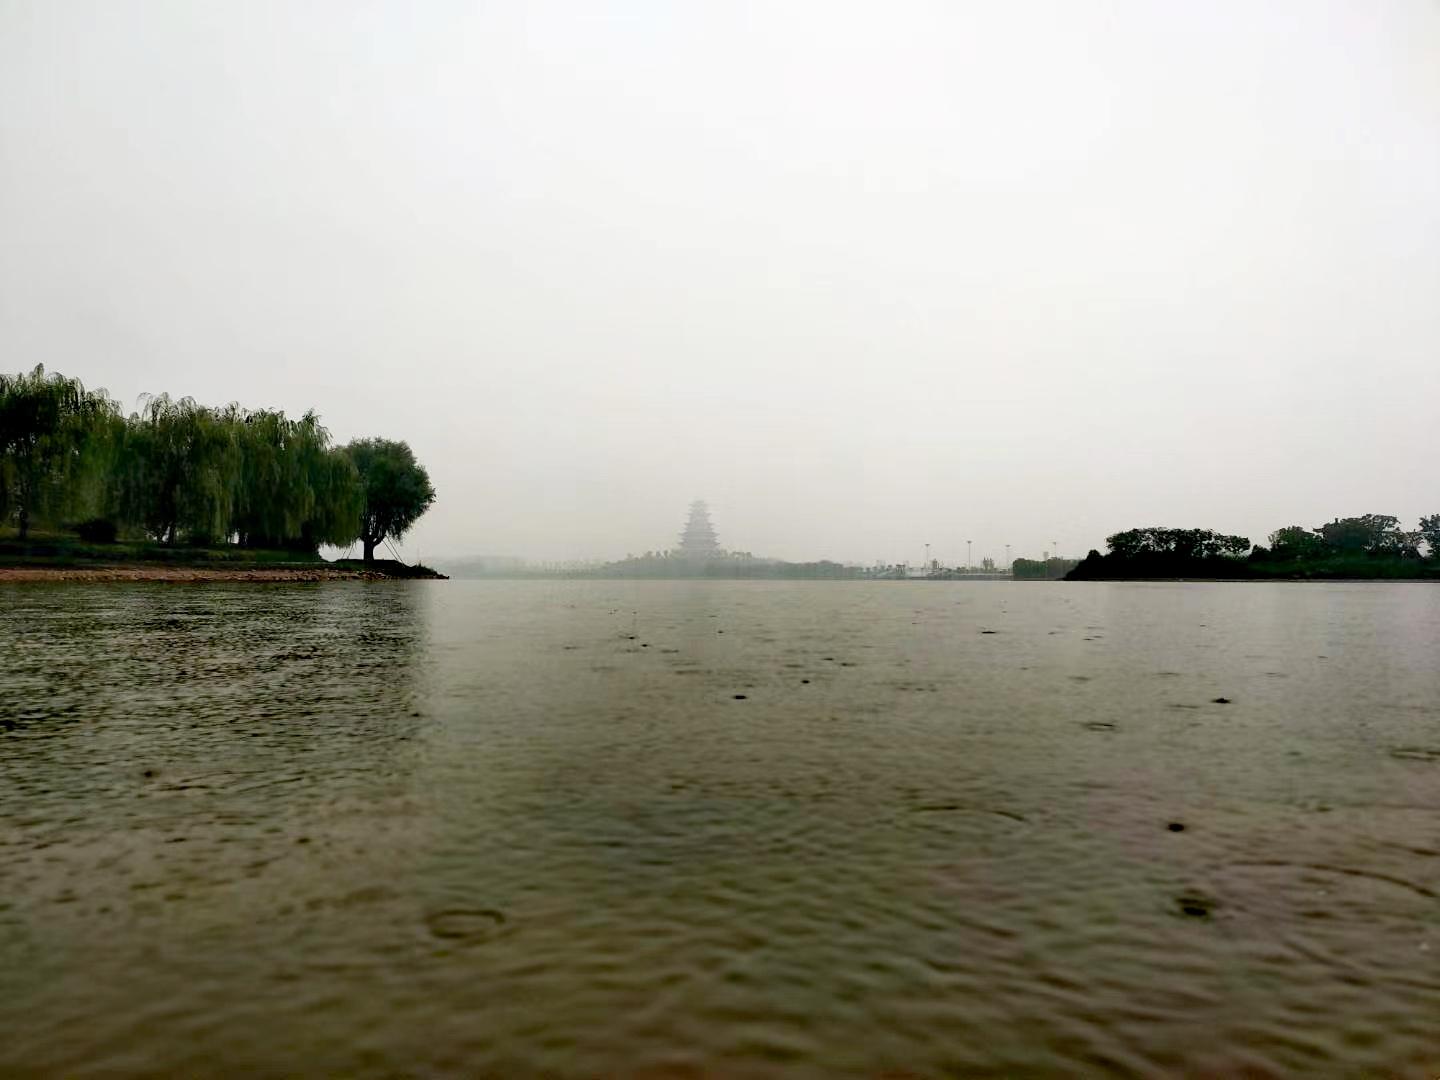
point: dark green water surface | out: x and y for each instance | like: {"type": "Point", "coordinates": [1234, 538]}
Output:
{"type": "Point", "coordinates": [526, 828]}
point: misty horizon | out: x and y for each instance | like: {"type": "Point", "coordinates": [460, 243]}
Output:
{"type": "Point", "coordinates": [1026, 275]}
{"type": "Point", "coordinates": [675, 543]}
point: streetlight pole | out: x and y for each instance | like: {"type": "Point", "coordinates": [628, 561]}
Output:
{"type": "Point", "coordinates": [969, 562]}
{"type": "Point", "coordinates": [1007, 559]}
{"type": "Point", "coordinates": [927, 560]}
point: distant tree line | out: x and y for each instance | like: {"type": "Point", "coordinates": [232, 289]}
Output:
{"type": "Point", "coordinates": [1369, 545]}
{"type": "Point", "coordinates": [737, 564]}
{"type": "Point", "coordinates": [1372, 535]}
{"type": "Point", "coordinates": [1040, 569]}
{"type": "Point", "coordinates": [176, 472]}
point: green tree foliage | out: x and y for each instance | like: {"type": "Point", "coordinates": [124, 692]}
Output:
{"type": "Point", "coordinates": [1181, 544]}
{"type": "Point", "coordinates": [1296, 542]}
{"type": "Point", "coordinates": [46, 422]}
{"type": "Point", "coordinates": [178, 471]}
{"type": "Point", "coordinates": [339, 499]}
{"type": "Point", "coordinates": [1160, 552]}
{"type": "Point", "coordinates": [395, 486]}
{"type": "Point", "coordinates": [185, 462]}
{"type": "Point", "coordinates": [1430, 532]}
{"type": "Point", "coordinates": [1377, 535]}
{"type": "Point", "coordinates": [295, 490]}
{"type": "Point", "coordinates": [1367, 546]}
{"type": "Point", "coordinates": [1369, 533]}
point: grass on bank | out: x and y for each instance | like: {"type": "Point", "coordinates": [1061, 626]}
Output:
{"type": "Point", "coordinates": [67, 551]}
{"type": "Point", "coordinates": [61, 550]}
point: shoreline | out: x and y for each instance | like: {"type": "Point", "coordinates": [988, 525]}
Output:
{"type": "Point", "coordinates": [1302, 579]}
{"type": "Point", "coordinates": [181, 574]}
{"type": "Point", "coordinates": [62, 559]}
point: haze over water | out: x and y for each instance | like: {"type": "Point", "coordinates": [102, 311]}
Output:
{"type": "Point", "coordinates": [1022, 273]}
{"type": "Point", "coordinates": [720, 828]}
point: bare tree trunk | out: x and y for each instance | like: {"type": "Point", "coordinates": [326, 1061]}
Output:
{"type": "Point", "coordinates": [369, 548]}
{"type": "Point", "coordinates": [24, 520]}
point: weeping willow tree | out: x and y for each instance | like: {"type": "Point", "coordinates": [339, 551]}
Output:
{"type": "Point", "coordinates": [181, 468]}
{"type": "Point", "coordinates": [339, 500]}
{"type": "Point", "coordinates": [176, 471]}
{"type": "Point", "coordinates": [51, 435]}
{"type": "Point", "coordinates": [295, 489]}
{"type": "Point", "coordinates": [254, 476]}
{"type": "Point", "coordinates": [271, 491]}
{"type": "Point", "coordinates": [396, 488]}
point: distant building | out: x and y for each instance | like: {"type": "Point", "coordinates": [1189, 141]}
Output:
{"type": "Point", "coordinates": [698, 540]}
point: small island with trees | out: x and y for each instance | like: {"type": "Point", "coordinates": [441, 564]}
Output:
{"type": "Point", "coordinates": [181, 490]}
{"type": "Point", "coordinates": [1368, 547]}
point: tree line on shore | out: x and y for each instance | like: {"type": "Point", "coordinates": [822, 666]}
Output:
{"type": "Point", "coordinates": [1367, 545]}
{"type": "Point", "coordinates": [176, 472]}
{"type": "Point", "coordinates": [725, 564]}
{"type": "Point", "coordinates": [1042, 569]}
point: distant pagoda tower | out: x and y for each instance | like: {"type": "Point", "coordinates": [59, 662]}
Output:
{"type": "Point", "coordinates": [698, 540]}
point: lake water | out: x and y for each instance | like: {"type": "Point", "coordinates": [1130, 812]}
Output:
{"type": "Point", "coordinates": [720, 828]}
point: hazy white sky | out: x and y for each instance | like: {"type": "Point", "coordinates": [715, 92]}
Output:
{"type": "Point", "coordinates": [864, 276]}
